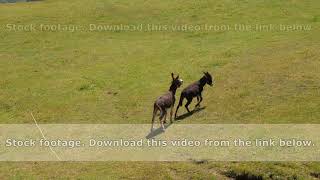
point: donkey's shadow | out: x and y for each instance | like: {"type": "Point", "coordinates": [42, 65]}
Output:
{"type": "Point", "coordinates": [157, 131]}
{"type": "Point", "coordinates": [188, 114]}
{"type": "Point", "coordinates": [179, 118]}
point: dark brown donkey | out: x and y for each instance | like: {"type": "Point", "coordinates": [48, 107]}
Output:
{"type": "Point", "coordinates": [194, 90]}
{"type": "Point", "coordinates": [166, 101]}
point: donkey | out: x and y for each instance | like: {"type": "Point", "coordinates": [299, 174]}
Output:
{"type": "Point", "coordinates": [194, 90]}
{"type": "Point", "coordinates": [166, 101]}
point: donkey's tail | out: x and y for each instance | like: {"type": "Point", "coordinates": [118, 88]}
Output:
{"type": "Point", "coordinates": [156, 107]}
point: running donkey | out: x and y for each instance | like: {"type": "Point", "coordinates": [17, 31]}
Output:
{"type": "Point", "coordinates": [166, 101]}
{"type": "Point", "coordinates": [194, 90]}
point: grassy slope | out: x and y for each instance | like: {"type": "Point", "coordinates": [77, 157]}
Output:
{"type": "Point", "coordinates": [113, 77]}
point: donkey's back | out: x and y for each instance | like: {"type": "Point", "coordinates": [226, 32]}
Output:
{"type": "Point", "coordinates": [192, 90]}
{"type": "Point", "coordinates": [165, 101]}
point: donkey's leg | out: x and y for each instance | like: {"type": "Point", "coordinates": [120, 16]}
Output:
{"type": "Point", "coordinates": [175, 115]}
{"type": "Point", "coordinates": [165, 118]}
{"type": "Point", "coordinates": [171, 113]}
{"type": "Point", "coordinates": [188, 103]}
{"type": "Point", "coordinates": [199, 101]}
{"type": "Point", "coordinates": [180, 104]}
{"type": "Point", "coordinates": [163, 114]}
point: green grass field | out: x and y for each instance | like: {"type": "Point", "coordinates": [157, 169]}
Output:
{"type": "Point", "coordinates": [261, 75]}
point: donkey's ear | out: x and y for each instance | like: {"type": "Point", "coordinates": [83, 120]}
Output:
{"type": "Point", "coordinates": [177, 76]}
{"type": "Point", "coordinates": [172, 75]}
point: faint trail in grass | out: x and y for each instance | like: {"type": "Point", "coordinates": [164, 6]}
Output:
{"type": "Point", "coordinates": [35, 121]}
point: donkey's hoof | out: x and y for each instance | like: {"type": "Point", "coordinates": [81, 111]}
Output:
{"type": "Point", "coordinates": [152, 129]}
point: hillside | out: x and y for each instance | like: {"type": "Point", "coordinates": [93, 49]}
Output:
{"type": "Point", "coordinates": [106, 62]}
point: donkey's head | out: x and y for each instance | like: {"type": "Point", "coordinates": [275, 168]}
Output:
{"type": "Point", "coordinates": [209, 79]}
{"type": "Point", "coordinates": [176, 82]}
